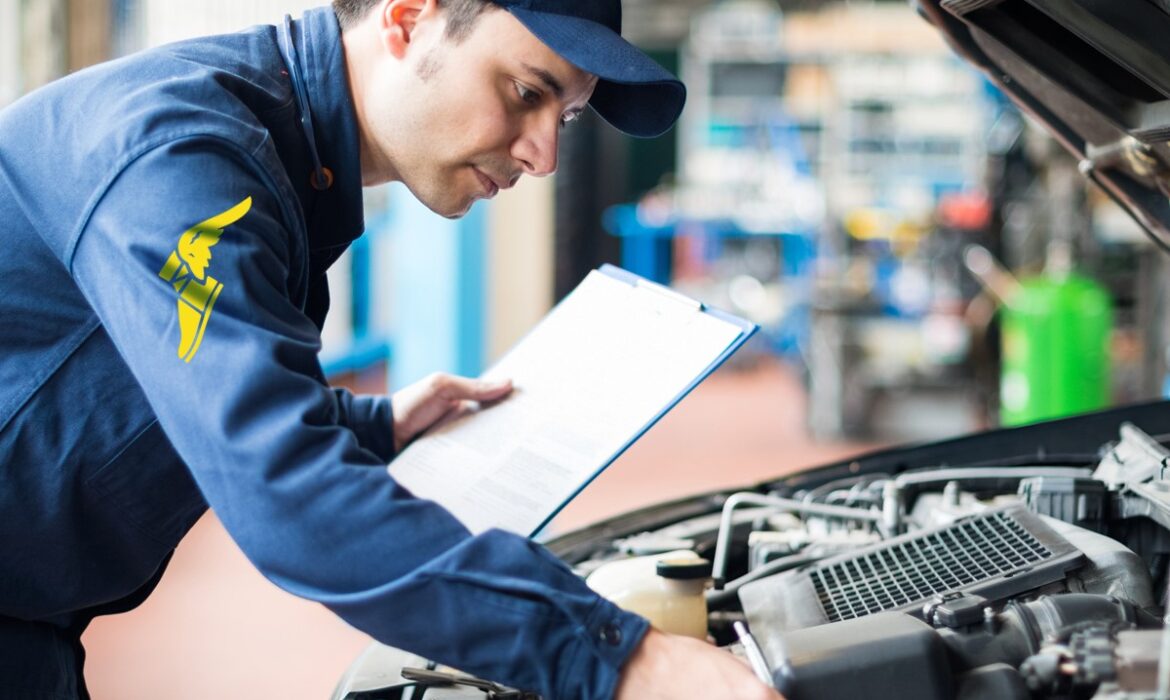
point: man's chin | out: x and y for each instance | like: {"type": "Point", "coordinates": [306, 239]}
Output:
{"type": "Point", "coordinates": [449, 210]}
{"type": "Point", "coordinates": [456, 214]}
{"type": "Point", "coordinates": [443, 207]}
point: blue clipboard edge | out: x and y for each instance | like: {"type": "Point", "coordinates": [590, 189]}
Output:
{"type": "Point", "coordinates": [747, 330]}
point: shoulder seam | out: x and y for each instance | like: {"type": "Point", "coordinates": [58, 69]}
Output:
{"type": "Point", "coordinates": [122, 165]}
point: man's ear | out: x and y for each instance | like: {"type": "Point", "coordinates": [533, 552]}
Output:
{"type": "Point", "coordinates": [398, 20]}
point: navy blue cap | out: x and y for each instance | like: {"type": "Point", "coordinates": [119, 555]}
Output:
{"type": "Point", "coordinates": [634, 94]}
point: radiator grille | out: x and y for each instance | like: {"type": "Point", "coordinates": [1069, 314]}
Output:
{"type": "Point", "coordinates": [914, 570]}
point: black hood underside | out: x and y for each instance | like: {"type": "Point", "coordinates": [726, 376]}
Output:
{"type": "Point", "coordinates": [1096, 73]}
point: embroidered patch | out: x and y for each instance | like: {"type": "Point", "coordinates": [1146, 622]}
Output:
{"type": "Point", "coordinates": [186, 271]}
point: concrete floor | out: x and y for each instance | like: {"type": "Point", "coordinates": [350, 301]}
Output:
{"type": "Point", "coordinates": [215, 628]}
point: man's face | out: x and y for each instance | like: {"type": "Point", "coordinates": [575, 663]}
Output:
{"type": "Point", "coordinates": [475, 115]}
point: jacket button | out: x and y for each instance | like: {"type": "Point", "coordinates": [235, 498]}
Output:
{"type": "Point", "coordinates": [611, 634]}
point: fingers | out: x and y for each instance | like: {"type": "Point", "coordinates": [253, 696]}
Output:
{"type": "Point", "coordinates": [439, 397]}
{"type": "Point", "coordinates": [453, 388]}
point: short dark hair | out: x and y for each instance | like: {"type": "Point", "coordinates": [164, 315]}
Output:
{"type": "Point", "coordinates": [461, 14]}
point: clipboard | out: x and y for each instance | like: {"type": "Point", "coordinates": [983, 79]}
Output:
{"type": "Point", "coordinates": [598, 371]}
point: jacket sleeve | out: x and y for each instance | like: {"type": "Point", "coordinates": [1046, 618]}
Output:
{"type": "Point", "coordinates": [371, 418]}
{"type": "Point", "coordinates": [194, 268]}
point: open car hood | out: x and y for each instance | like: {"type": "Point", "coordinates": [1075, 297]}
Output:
{"type": "Point", "coordinates": [1096, 73]}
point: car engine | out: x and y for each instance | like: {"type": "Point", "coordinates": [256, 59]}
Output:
{"type": "Point", "coordinates": [969, 583]}
{"type": "Point", "coordinates": [978, 582]}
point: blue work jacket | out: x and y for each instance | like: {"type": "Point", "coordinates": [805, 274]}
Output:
{"type": "Point", "coordinates": [162, 290]}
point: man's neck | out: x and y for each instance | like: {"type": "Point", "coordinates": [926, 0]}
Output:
{"type": "Point", "coordinates": [360, 45]}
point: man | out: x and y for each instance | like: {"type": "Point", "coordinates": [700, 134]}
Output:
{"type": "Point", "coordinates": [168, 222]}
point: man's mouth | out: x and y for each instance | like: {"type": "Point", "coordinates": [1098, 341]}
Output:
{"type": "Point", "coordinates": [490, 186]}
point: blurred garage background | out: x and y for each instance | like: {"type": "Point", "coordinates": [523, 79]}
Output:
{"type": "Point", "coordinates": [921, 259]}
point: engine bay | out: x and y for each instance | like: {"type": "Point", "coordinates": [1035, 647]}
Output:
{"type": "Point", "coordinates": [1017, 581]}
{"type": "Point", "coordinates": [994, 581]}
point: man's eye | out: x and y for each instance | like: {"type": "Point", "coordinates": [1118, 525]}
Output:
{"type": "Point", "coordinates": [527, 94]}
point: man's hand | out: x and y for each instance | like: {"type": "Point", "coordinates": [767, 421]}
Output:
{"type": "Point", "coordinates": [669, 667]}
{"type": "Point", "coordinates": [426, 402]}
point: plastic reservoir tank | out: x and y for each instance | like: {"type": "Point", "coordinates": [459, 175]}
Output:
{"type": "Point", "coordinates": [667, 589]}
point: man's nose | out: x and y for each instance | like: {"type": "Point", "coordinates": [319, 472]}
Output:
{"type": "Point", "coordinates": [536, 148]}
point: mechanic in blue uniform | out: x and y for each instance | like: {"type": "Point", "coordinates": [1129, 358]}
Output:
{"type": "Point", "coordinates": [168, 219]}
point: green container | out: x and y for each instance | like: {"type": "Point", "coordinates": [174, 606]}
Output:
{"type": "Point", "coordinates": [1055, 349]}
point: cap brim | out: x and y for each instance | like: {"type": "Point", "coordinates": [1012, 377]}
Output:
{"type": "Point", "coordinates": [634, 94]}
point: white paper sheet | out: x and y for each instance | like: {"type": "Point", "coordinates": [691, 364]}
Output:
{"type": "Point", "coordinates": [600, 368]}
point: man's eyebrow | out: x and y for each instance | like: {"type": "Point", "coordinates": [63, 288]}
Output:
{"type": "Point", "coordinates": [548, 79]}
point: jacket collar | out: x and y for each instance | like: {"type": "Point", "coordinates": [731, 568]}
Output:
{"type": "Point", "coordinates": [337, 214]}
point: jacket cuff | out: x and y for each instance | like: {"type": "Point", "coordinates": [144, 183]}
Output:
{"type": "Point", "coordinates": [371, 418]}
{"type": "Point", "coordinates": [610, 636]}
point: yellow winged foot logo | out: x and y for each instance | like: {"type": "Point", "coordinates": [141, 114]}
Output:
{"type": "Point", "coordinates": [186, 271]}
